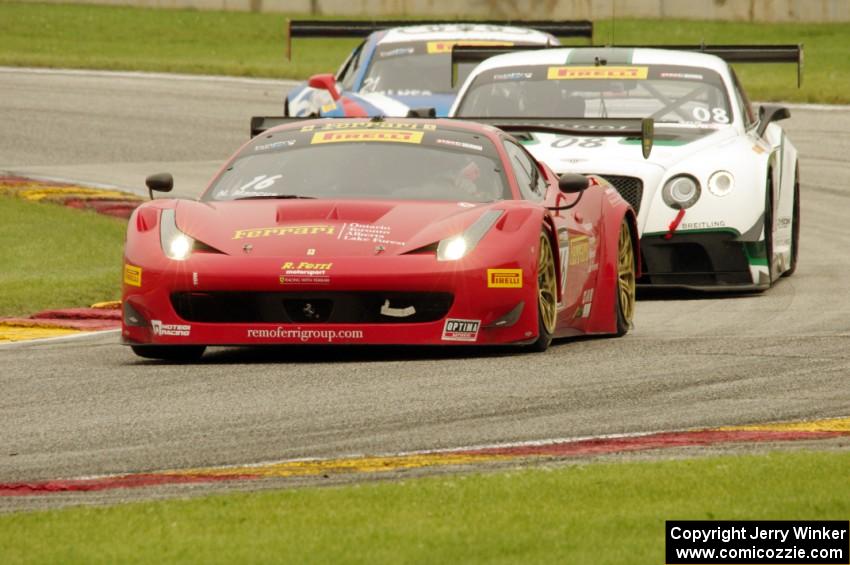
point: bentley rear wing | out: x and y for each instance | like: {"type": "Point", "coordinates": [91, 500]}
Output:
{"type": "Point", "coordinates": [478, 53]}
{"type": "Point", "coordinates": [597, 127]}
{"type": "Point", "coordinates": [729, 53]}
{"type": "Point", "coordinates": [362, 28]}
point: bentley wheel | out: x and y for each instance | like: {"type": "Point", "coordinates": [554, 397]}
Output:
{"type": "Point", "coordinates": [625, 279]}
{"type": "Point", "coordinates": [547, 295]}
{"type": "Point", "coordinates": [795, 227]}
{"type": "Point", "coordinates": [169, 352]}
{"type": "Point", "coordinates": [768, 228]}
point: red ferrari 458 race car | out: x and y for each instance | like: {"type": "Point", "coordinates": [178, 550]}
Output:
{"type": "Point", "coordinates": [380, 231]}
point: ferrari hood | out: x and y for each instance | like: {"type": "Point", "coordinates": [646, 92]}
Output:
{"type": "Point", "coordinates": [336, 228]}
{"type": "Point", "coordinates": [590, 154]}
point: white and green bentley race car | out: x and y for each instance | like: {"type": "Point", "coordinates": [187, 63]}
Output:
{"type": "Point", "coordinates": [718, 198]}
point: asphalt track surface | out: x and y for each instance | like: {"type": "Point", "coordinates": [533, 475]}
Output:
{"type": "Point", "coordinates": [88, 406]}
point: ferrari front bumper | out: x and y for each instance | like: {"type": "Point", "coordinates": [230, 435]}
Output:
{"type": "Point", "coordinates": [392, 300]}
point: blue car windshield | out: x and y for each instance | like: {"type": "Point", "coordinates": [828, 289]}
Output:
{"type": "Point", "coordinates": [410, 70]}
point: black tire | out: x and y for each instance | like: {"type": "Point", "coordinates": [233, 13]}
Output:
{"type": "Point", "coordinates": [286, 106]}
{"type": "Point", "coordinates": [169, 352]}
{"type": "Point", "coordinates": [626, 279]}
{"type": "Point", "coordinates": [795, 226]}
{"type": "Point", "coordinates": [768, 226]}
{"type": "Point", "coordinates": [546, 260]}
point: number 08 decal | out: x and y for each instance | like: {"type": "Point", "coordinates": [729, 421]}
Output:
{"type": "Point", "coordinates": [587, 143]}
{"type": "Point", "coordinates": [718, 115]}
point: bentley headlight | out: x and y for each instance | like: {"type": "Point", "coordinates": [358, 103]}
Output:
{"type": "Point", "coordinates": [458, 246]}
{"type": "Point", "coordinates": [681, 192]}
{"type": "Point", "coordinates": [721, 183]}
{"type": "Point", "coordinates": [175, 244]}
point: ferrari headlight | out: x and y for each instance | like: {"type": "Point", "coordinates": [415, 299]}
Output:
{"type": "Point", "coordinates": [180, 247]}
{"type": "Point", "coordinates": [458, 246]}
{"type": "Point", "coordinates": [175, 244]}
{"type": "Point", "coordinates": [681, 192]}
{"type": "Point", "coordinates": [452, 249]}
{"type": "Point", "coordinates": [721, 183]}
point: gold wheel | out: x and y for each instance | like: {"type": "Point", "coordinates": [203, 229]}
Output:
{"type": "Point", "coordinates": [626, 276]}
{"type": "Point", "coordinates": [547, 294]}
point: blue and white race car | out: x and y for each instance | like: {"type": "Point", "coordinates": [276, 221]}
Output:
{"type": "Point", "coordinates": [400, 67]}
{"type": "Point", "coordinates": [718, 200]}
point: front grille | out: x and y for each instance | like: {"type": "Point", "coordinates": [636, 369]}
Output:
{"type": "Point", "coordinates": [311, 307]}
{"type": "Point", "coordinates": [630, 188]}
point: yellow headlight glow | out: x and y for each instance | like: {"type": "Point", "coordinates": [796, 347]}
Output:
{"type": "Point", "coordinates": [455, 249]}
{"type": "Point", "coordinates": [180, 247]}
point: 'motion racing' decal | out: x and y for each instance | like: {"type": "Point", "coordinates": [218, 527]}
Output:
{"type": "Point", "coordinates": [179, 330]}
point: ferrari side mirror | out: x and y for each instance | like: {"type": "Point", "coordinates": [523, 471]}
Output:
{"type": "Point", "coordinates": [571, 183]}
{"type": "Point", "coordinates": [771, 113]}
{"type": "Point", "coordinates": [160, 182]}
{"type": "Point", "coordinates": [324, 81]}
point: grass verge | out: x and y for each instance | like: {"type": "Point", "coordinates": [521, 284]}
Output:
{"type": "Point", "coordinates": [593, 513]}
{"type": "Point", "coordinates": [57, 257]}
{"type": "Point", "coordinates": [247, 44]}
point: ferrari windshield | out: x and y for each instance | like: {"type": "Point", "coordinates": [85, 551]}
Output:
{"type": "Point", "coordinates": [668, 94]}
{"type": "Point", "coordinates": [365, 160]}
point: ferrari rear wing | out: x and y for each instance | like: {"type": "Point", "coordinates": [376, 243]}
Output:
{"type": "Point", "coordinates": [259, 124]}
{"type": "Point", "coordinates": [362, 28]}
{"type": "Point", "coordinates": [596, 127]}
{"type": "Point", "coordinates": [729, 53]}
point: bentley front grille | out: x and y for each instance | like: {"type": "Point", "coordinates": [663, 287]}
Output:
{"type": "Point", "coordinates": [630, 188]}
